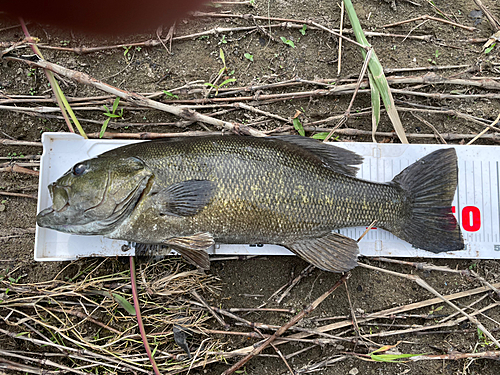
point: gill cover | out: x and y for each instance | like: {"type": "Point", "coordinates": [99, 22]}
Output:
{"type": "Point", "coordinates": [95, 195]}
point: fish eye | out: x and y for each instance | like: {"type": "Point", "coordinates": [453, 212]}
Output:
{"type": "Point", "coordinates": [79, 169]}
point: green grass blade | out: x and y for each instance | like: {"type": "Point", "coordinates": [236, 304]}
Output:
{"type": "Point", "coordinates": [298, 126]}
{"type": "Point", "coordinates": [115, 104]}
{"type": "Point", "coordinates": [124, 303]}
{"type": "Point", "coordinates": [104, 127]}
{"type": "Point", "coordinates": [57, 89]}
{"type": "Point", "coordinates": [58, 93]}
{"type": "Point", "coordinates": [375, 96]}
{"type": "Point", "coordinates": [391, 357]}
{"type": "Point", "coordinates": [377, 72]}
{"type": "Point", "coordinates": [321, 136]}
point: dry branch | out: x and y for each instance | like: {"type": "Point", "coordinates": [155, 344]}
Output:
{"type": "Point", "coordinates": [426, 286]}
{"type": "Point", "coordinates": [285, 327]}
{"type": "Point", "coordinates": [138, 99]}
{"type": "Point", "coordinates": [431, 18]}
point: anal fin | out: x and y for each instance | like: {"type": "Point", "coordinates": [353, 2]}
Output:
{"type": "Point", "coordinates": [333, 252]}
{"type": "Point", "coordinates": [193, 248]}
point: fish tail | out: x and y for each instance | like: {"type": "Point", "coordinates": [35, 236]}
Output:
{"type": "Point", "coordinates": [429, 186]}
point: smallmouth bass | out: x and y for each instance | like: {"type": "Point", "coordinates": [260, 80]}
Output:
{"type": "Point", "coordinates": [188, 192]}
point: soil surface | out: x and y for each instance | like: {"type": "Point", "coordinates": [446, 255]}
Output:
{"type": "Point", "coordinates": [257, 57]}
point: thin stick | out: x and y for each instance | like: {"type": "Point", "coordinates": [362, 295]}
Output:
{"type": "Point", "coordinates": [339, 64]}
{"type": "Point", "coordinates": [495, 24]}
{"type": "Point", "coordinates": [423, 266]}
{"type": "Point", "coordinates": [491, 354]}
{"type": "Point", "coordinates": [367, 230]}
{"type": "Point", "coordinates": [247, 309]}
{"type": "Point", "coordinates": [427, 17]}
{"type": "Point", "coordinates": [428, 327]}
{"type": "Point", "coordinates": [21, 195]}
{"type": "Point", "coordinates": [14, 366]}
{"type": "Point", "coordinates": [285, 327]}
{"type": "Point", "coordinates": [12, 142]}
{"type": "Point", "coordinates": [356, 89]}
{"type": "Point", "coordinates": [295, 281]}
{"type": "Point", "coordinates": [283, 358]}
{"type": "Point", "coordinates": [484, 131]}
{"type": "Point", "coordinates": [261, 112]}
{"type": "Point", "coordinates": [255, 335]}
{"type": "Point", "coordinates": [483, 281]}
{"type": "Point", "coordinates": [139, 318]}
{"type": "Point", "coordinates": [430, 126]}
{"type": "Point", "coordinates": [41, 362]}
{"type": "Point", "coordinates": [17, 169]}
{"type": "Point", "coordinates": [85, 317]}
{"type": "Point", "coordinates": [353, 314]}
{"type": "Point", "coordinates": [210, 310]}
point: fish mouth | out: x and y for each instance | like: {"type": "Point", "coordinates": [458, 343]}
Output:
{"type": "Point", "coordinates": [100, 218]}
{"type": "Point", "coordinates": [60, 202]}
{"type": "Point", "coordinates": [43, 219]}
{"type": "Point", "coordinates": [56, 217]}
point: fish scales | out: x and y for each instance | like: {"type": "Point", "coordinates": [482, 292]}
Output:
{"type": "Point", "coordinates": [293, 191]}
{"type": "Point", "coordinates": [262, 194]}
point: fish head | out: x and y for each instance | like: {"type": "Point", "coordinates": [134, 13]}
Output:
{"type": "Point", "coordinates": [95, 195]}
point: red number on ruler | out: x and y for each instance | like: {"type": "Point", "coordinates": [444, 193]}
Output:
{"type": "Point", "coordinates": [471, 218]}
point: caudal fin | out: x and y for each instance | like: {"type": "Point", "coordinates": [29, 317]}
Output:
{"type": "Point", "coordinates": [430, 184]}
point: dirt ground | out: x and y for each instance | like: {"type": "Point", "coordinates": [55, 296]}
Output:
{"type": "Point", "coordinates": [261, 57]}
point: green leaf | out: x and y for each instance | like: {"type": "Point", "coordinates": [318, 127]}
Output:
{"type": "Point", "coordinates": [104, 126]}
{"type": "Point", "coordinates": [391, 357]}
{"type": "Point", "coordinates": [227, 81]}
{"type": "Point", "coordinates": [303, 30]}
{"type": "Point", "coordinates": [221, 53]}
{"type": "Point", "coordinates": [490, 48]}
{"type": "Point", "coordinates": [115, 103]}
{"type": "Point", "coordinates": [287, 42]}
{"type": "Point", "coordinates": [168, 94]}
{"type": "Point", "coordinates": [298, 126]}
{"type": "Point", "coordinates": [248, 56]}
{"type": "Point", "coordinates": [124, 303]}
{"type": "Point", "coordinates": [321, 136]}
{"type": "Point", "coordinates": [209, 84]}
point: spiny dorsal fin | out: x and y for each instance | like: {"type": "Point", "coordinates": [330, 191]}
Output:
{"type": "Point", "coordinates": [333, 252]}
{"type": "Point", "coordinates": [185, 198]}
{"type": "Point", "coordinates": [336, 158]}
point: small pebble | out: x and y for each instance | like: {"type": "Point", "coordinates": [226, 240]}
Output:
{"type": "Point", "coordinates": [2, 207]}
{"type": "Point", "coordinates": [354, 371]}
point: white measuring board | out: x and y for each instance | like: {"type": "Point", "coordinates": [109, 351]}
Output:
{"type": "Point", "coordinates": [476, 204]}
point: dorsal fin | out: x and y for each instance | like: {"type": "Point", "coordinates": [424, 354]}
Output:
{"type": "Point", "coordinates": [337, 159]}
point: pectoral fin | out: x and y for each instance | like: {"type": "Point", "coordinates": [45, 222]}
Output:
{"type": "Point", "coordinates": [333, 252]}
{"type": "Point", "coordinates": [185, 198]}
{"type": "Point", "coordinates": [193, 248]}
